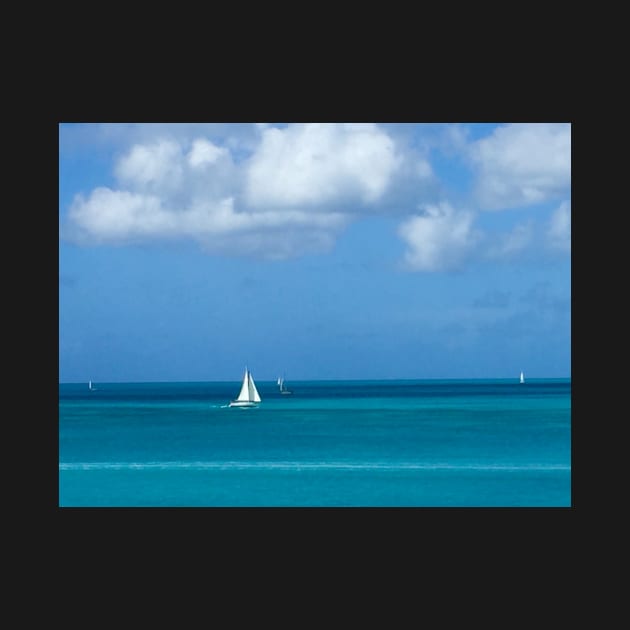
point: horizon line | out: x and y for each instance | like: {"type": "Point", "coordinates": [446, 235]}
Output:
{"type": "Point", "coordinates": [304, 380]}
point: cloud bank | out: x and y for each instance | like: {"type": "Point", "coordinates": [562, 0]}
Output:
{"type": "Point", "coordinates": [283, 191]}
{"type": "Point", "coordinates": [298, 188]}
{"type": "Point", "coordinates": [315, 165]}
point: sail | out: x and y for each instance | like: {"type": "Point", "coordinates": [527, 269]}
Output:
{"type": "Point", "coordinates": [252, 391]}
{"type": "Point", "coordinates": [244, 393]}
{"type": "Point", "coordinates": [522, 377]}
{"type": "Point", "coordinates": [248, 392]}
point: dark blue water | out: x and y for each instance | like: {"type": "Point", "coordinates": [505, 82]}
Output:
{"type": "Point", "coordinates": [477, 443]}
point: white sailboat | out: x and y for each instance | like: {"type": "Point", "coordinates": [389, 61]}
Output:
{"type": "Point", "coordinates": [282, 386]}
{"type": "Point", "coordinates": [248, 396]}
{"type": "Point", "coordinates": [91, 387]}
{"type": "Point", "coordinates": [522, 377]}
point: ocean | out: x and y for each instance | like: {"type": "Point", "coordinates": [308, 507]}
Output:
{"type": "Point", "coordinates": [395, 443]}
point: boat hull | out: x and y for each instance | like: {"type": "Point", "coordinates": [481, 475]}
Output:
{"type": "Point", "coordinates": [242, 403]}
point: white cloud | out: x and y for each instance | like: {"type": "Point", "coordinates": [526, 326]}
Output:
{"type": "Point", "coordinates": [174, 186]}
{"type": "Point", "coordinates": [438, 240]}
{"type": "Point", "coordinates": [204, 152]}
{"type": "Point", "coordinates": [109, 215]}
{"type": "Point", "coordinates": [522, 164]}
{"type": "Point", "coordinates": [559, 230]}
{"type": "Point", "coordinates": [121, 216]}
{"type": "Point", "coordinates": [317, 164]}
{"type": "Point", "coordinates": [291, 190]}
{"type": "Point", "coordinates": [156, 167]}
{"type": "Point", "coordinates": [179, 173]}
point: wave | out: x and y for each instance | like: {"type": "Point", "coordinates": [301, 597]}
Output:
{"type": "Point", "coordinates": [298, 466]}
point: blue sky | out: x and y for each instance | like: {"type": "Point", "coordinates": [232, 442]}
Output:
{"type": "Point", "coordinates": [318, 251]}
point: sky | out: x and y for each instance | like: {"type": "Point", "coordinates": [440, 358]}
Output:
{"type": "Point", "coordinates": [188, 251]}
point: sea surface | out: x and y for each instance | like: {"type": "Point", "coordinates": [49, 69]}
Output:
{"type": "Point", "coordinates": [396, 443]}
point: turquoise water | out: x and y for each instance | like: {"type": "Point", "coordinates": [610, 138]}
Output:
{"type": "Point", "coordinates": [473, 443]}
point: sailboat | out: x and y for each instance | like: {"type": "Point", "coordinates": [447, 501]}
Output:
{"type": "Point", "coordinates": [90, 387]}
{"type": "Point", "coordinates": [248, 396]}
{"type": "Point", "coordinates": [522, 377]}
{"type": "Point", "coordinates": [282, 386]}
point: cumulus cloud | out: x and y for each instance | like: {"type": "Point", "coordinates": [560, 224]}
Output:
{"type": "Point", "coordinates": [156, 167]}
{"type": "Point", "coordinates": [559, 229]}
{"type": "Point", "coordinates": [122, 216]}
{"type": "Point", "coordinates": [109, 215]}
{"type": "Point", "coordinates": [438, 240]}
{"type": "Point", "coordinates": [204, 152]}
{"type": "Point", "coordinates": [293, 193]}
{"type": "Point", "coordinates": [319, 164]}
{"type": "Point", "coordinates": [281, 191]}
{"type": "Point", "coordinates": [521, 164]}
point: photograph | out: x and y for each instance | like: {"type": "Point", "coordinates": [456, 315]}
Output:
{"type": "Point", "coordinates": [314, 315]}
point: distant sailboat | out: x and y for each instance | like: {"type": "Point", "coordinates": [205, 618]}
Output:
{"type": "Point", "coordinates": [248, 396]}
{"type": "Point", "coordinates": [282, 386]}
{"type": "Point", "coordinates": [522, 377]}
{"type": "Point", "coordinates": [90, 387]}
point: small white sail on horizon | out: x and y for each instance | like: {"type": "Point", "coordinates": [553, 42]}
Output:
{"type": "Point", "coordinates": [283, 389]}
{"type": "Point", "coordinates": [248, 396]}
{"type": "Point", "coordinates": [522, 377]}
